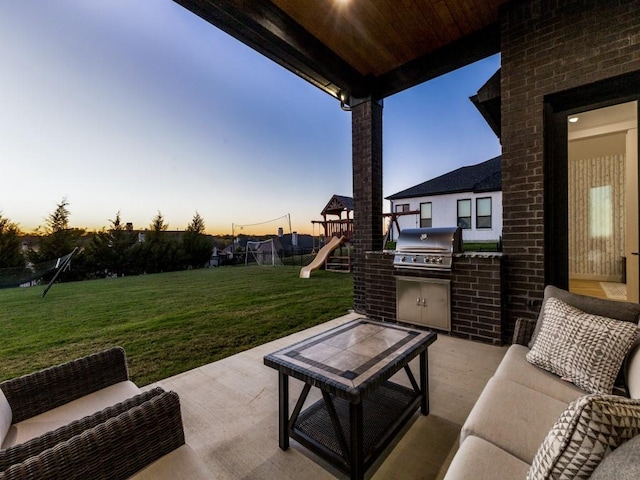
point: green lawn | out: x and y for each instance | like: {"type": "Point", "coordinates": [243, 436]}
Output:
{"type": "Point", "coordinates": [167, 323]}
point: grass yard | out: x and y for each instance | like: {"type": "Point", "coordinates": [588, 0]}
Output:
{"type": "Point", "coordinates": [167, 323]}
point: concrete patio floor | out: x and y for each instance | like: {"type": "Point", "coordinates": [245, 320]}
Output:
{"type": "Point", "coordinates": [230, 413]}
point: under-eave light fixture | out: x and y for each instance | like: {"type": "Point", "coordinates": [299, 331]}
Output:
{"type": "Point", "coordinates": [343, 102]}
{"type": "Point", "coordinates": [573, 119]}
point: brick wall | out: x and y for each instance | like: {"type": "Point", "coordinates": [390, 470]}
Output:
{"type": "Point", "coordinates": [366, 127]}
{"type": "Point", "coordinates": [476, 294]}
{"type": "Point", "coordinates": [548, 46]}
{"type": "Point", "coordinates": [380, 286]}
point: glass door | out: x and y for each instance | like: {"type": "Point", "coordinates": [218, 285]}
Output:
{"type": "Point", "coordinates": [602, 202]}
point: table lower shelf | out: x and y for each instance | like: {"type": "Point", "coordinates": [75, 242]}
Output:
{"type": "Point", "coordinates": [384, 412]}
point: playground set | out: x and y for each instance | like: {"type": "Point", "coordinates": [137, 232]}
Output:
{"type": "Point", "coordinates": [334, 255]}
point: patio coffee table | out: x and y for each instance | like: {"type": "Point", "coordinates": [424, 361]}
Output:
{"type": "Point", "coordinates": [361, 411]}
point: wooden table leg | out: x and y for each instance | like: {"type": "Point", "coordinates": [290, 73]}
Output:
{"type": "Point", "coordinates": [424, 382]}
{"type": "Point", "coordinates": [283, 410]}
{"type": "Point", "coordinates": [356, 424]}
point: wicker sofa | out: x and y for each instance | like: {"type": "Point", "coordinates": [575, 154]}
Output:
{"type": "Point", "coordinates": [525, 411]}
{"type": "Point", "coordinates": [40, 402]}
{"type": "Point", "coordinates": [142, 439]}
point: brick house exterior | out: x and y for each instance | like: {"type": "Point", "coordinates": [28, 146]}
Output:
{"type": "Point", "coordinates": [552, 51]}
{"type": "Point", "coordinates": [556, 55]}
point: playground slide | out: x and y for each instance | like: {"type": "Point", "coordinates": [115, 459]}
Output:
{"type": "Point", "coordinates": [322, 255]}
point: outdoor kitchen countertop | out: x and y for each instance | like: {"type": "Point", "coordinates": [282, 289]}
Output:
{"type": "Point", "coordinates": [478, 254]}
{"type": "Point", "coordinates": [461, 254]}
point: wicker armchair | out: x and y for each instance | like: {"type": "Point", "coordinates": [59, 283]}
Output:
{"type": "Point", "coordinates": [119, 448]}
{"type": "Point", "coordinates": [35, 446]}
{"type": "Point", "coordinates": [52, 387]}
{"type": "Point", "coordinates": [523, 331]}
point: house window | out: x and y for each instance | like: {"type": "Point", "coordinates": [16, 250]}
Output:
{"type": "Point", "coordinates": [600, 212]}
{"type": "Point", "coordinates": [483, 212]}
{"type": "Point", "coordinates": [464, 213]}
{"type": "Point", "coordinates": [425, 215]}
{"type": "Point", "coordinates": [402, 207]}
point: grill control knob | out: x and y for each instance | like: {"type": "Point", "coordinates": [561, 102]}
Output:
{"type": "Point", "coordinates": [414, 259]}
{"type": "Point", "coordinates": [439, 259]}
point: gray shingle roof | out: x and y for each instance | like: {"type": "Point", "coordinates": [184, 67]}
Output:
{"type": "Point", "coordinates": [483, 177]}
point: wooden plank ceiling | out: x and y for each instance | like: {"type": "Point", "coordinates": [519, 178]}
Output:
{"type": "Point", "coordinates": [361, 48]}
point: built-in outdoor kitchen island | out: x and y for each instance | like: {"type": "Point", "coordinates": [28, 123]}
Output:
{"type": "Point", "coordinates": [418, 289]}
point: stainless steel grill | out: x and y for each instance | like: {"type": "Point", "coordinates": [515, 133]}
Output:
{"type": "Point", "coordinates": [427, 248]}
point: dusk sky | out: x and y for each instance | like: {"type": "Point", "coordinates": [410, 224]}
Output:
{"type": "Point", "coordinates": [141, 106]}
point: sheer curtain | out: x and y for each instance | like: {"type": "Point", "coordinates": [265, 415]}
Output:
{"type": "Point", "coordinates": [596, 217]}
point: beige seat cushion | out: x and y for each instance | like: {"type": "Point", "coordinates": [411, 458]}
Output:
{"type": "Point", "coordinates": [516, 368]}
{"type": "Point", "coordinates": [512, 417]}
{"type": "Point", "coordinates": [5, 417]}
{"type": "Point", "coordinates": [478, 459]}
{"type": "Point", "coordinates": [80, 408]}
{"type": "Point", "coordinates": [180, 464]}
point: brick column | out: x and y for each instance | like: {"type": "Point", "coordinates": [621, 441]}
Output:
{"type": "Point", "coordinates": [366, 131]}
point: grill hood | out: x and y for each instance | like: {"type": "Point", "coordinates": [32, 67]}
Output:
{"type": "Point", "coordinates": [427, 248]}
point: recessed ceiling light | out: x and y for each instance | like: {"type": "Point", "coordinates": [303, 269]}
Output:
{"type": "Point", "coordinates": [573, 119]}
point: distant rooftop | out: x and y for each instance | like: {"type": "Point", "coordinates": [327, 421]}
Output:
{"type": "Point", "coordinates": [482, 177]}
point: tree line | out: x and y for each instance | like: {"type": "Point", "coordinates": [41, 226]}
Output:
{"type": "Point", "coordinates": [112, 251]}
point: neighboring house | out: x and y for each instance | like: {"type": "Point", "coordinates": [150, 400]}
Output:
{"type": "Point", "coordinates": [294, 243]}
{"type": "Point", "coordinates": [469, 197]}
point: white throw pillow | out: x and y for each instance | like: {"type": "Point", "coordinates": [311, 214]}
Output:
{"type": "Point", "coordinates": [6, 417]}
{"type": "Point", "coordinates": [632, 370]}
{"type": "Point", "coordinates": [584, 349]}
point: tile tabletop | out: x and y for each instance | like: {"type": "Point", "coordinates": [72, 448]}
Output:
{"type": "Point", "coordinates": [351, 355]}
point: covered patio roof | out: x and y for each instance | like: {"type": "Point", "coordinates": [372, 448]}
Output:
{"type": "Point", "coordinates": [353, 49]}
